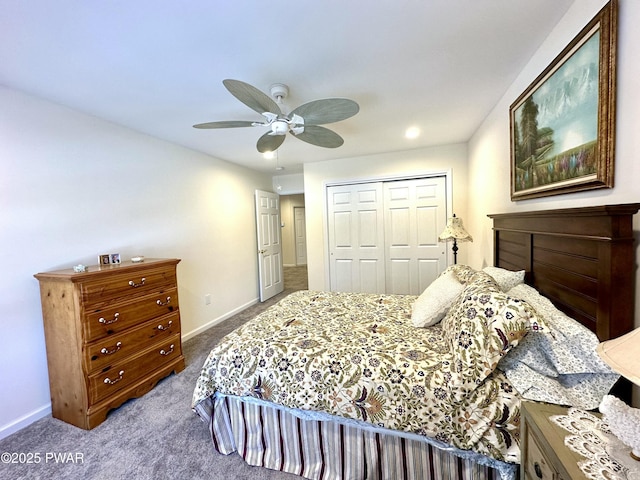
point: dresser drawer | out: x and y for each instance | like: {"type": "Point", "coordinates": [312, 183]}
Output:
{"type": "Point", "coordinates": [537, 466]}
{"type": "Point", "coordinates": [111, 319]}
{"type": "Point", "coordinates": [129, 284]}
{"type": "Point", "coordinates": [117, 347]}
{"type": "Point", "coordinates": [122, 374]}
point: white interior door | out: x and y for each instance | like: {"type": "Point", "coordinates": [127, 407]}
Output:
{"type": "Point", "coordinates": [300, 232]}
{"type": "Point", "coordinates": [269, 244]}
{"type": "Point", "coordinates": [356, 238]}
{"type": "Point", "coordinates": [415, 214]}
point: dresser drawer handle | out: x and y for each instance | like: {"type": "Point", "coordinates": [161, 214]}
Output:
{"type": "Point", "coordinates": [167, 352]}
{"type": "Point", "coordinates": [116, 317]}
{"type": "Point", "coordinates": [111, 382]}
{"type": "Point", "coordinates": [162, 304]}
{"type": "Point", "coordinates": [134, 284]}
{"type": "Point", "coordinates": [162, 327]}
{"type": "Point", "coordinates": [537, 469]}
{"type": "Point", "coordinates": [106, 351]}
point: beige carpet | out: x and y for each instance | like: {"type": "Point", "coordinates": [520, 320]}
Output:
{"type": "Point", "coordinates": [295, 278]}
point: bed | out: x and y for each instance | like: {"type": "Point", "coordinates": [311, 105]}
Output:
{"type": "Point", "coordinates": [336, 385]}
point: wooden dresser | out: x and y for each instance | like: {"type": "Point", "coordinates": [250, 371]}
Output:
{"type": "Point", "coordinates": [111, 333]}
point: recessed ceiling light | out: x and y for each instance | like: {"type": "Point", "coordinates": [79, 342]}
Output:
{"type": "Point", "coordinates": [412, 132]}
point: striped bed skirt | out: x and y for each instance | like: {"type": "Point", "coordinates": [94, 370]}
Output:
{"type": "Point", "coordinates": [292, 441]}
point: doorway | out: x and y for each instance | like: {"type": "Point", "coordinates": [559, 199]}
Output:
{"type": "Point", "coordinates": [293, 226]}
{"type": "Point", "coordinates": [294, 241]}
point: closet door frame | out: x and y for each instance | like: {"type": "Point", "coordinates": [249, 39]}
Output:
{"type": "Point", "coordinates": [447, 174]}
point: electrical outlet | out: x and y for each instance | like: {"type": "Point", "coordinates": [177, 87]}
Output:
{"type": "Point", "coordinates": [207, 299]}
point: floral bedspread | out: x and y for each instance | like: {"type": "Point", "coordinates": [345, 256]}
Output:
{"type": "Point", "coordinates": [358, 356]}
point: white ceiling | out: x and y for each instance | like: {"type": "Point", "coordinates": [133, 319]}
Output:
{"type": "Point", "coordinates": [157, 66]}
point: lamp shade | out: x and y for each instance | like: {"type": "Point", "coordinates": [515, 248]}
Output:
{"type": "Point", "coordinates": [623, 355]}
{"type": "Point", "coordinates": [455, 231]}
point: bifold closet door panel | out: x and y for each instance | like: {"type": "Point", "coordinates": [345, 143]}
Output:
{"type": "Point", "coordinates": [414, 214]}
{"type": "Point", "coordinates": [356, 238]}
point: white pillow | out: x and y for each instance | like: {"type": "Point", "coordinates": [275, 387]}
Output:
{"type": "Point", "coordinates": [432, 305]}
{"type": "Point", "coordinates": [507, 279]}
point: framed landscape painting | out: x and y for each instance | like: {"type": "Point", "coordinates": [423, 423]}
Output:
{"type": "Point", "coordinates": [563, 126]}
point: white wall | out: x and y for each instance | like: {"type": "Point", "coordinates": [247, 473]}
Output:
{"type": "Point", "coordinates": [418, 162]}
{"type": "Point", "coordinates": [288, 184]}
{"type": "Point", "coordinates": [489, 148]}
{"type": "Point", "coordinates": [489, 172]}
{"type": "Point", "coordinates": [73, 186]}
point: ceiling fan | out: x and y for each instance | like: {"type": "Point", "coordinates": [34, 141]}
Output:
{"type": "Point", "coordinates": [303, 122]}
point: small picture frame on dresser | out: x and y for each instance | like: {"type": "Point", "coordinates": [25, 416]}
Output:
{"type": "Point", "coordinates": [104, 259]}
{"type": "Point", "coordinates": [115, 258]}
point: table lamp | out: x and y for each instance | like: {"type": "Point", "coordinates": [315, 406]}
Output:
{"type": "Point", "coordinates": [455, 231]}
{"type": "Point", "coordinates": [622, 354]}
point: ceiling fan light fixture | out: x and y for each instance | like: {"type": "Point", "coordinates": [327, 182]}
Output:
{"type": "Point", "coordinates": [279, 127]}
{"type": "Point", "coordinates": [296, 124]}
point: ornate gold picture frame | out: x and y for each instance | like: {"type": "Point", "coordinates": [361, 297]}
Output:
{"type": "Point", "coordinates": [563, 125]}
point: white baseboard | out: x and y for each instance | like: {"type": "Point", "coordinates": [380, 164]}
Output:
{"type": "Point", "coordinates": [24, 421]}
{"type": "Point", "coordinates": [215, 321]}
{"type": "Point", "coordinates": [45, 410]}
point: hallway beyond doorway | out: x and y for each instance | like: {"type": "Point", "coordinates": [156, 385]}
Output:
{"type": "Point", "coordinates": [295, 278]}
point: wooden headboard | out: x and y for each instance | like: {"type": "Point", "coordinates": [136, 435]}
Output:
{"type": "Point", "coordinates": [582, 259]}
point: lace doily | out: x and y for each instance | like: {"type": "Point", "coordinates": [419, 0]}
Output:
{"type": "Point", "coordinates": [606, 457]}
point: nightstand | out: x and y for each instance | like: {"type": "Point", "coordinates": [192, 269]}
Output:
{"type": "Point", "coordinates": [544, 454]}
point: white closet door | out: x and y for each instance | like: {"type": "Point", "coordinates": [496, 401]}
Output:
{"type": "Point", "coordinates": [356, 238]}
{"type": "Point", "coordinates": [415, 214]}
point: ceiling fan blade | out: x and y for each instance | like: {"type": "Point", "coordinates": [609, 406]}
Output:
{"type": "Point", "coordinates": [228, 124]}
{"type": "Point", "coordinates": [269, 142]}
{"type": "Point", "coordinates": [320, 136]}
{"type": "Point", "coordinates": [328, 110]}
{"type": "Point", "coordinates": [251, 97]}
